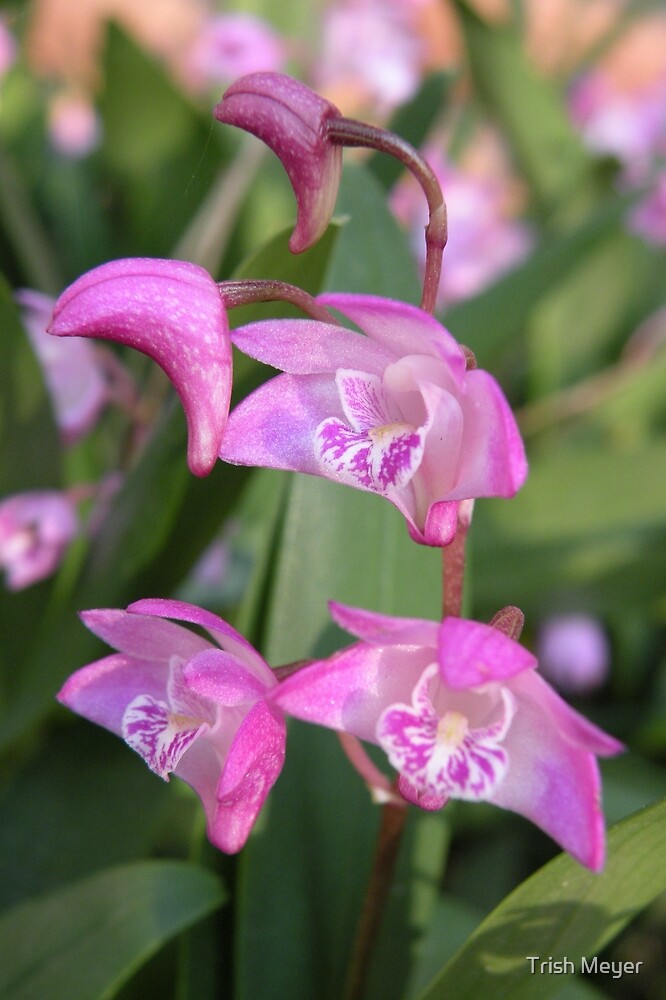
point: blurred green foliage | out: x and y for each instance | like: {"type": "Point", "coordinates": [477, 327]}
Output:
{"type": "Point", "coordinates": [587, 532]}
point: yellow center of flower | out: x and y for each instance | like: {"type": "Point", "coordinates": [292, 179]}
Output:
{"type": "Point", "coordinates": [378, 434]}
{"type": "Point", "coordinates": [451, 729]}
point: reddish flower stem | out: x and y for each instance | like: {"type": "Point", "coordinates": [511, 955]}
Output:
{"type": "Point", "coordinates": [348, 132]}
{"type": "Point", "coordinates": [393, 820]}
{"type": "Point", "coordinates": [247, 292]}
{"type": "Point", "coordinates": [453, 564]}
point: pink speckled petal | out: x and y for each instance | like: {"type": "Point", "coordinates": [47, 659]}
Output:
{"type": "Point", "coordinates": [172, 311]}
{"type": "Point", "coordinates": [251, 769]}
{"type": "Point", "coordinates": [143, 636]}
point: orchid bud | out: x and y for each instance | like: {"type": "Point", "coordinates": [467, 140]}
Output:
{"type": "Point", "coordinates": [291, 119]}
{"type": "Point", "coordinates": [173, 312]}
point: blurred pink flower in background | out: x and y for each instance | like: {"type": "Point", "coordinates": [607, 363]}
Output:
{"type": "Point", "coordinates": [36, 528]}
{"type": "Point", "coordinates": [233, 45]}
{"type": "Point", "coordinates": [75, 129]}
{"type": "Point", "coordinates": [485, 240]}
{"type": "Point", "coordinates": [648, 218]}
{"type": "Point", "coordinates": [370, 52]}
{"type": "Point", "coordinates": [629, 124]}
{"type": "Point", "coordinates": [573, 652]}
{"type": "Point", "coordinates": [8, 48]}
{"type": "Point", "coordinates": [72, 372]}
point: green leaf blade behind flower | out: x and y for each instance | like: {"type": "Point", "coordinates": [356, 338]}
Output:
{"type": "Point", "coordinates": [84, 941]}
{"type": "Point", "coordinates": [561, 911]}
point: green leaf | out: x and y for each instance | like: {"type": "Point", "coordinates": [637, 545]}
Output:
{"type": "Point", "coordinates": [29, 442]}
{"type": "Point", "coordinates": [372, 255]}
{"type": "Point", "coordinates": [303, 873]}
{"type": "Point", "coordinates": [342, 544]}
{"type": "Point", "coordinates": [561, 911]}
{"type": "Point", "coordinates": [593, 516]}
{"type": "Point", "coordinates": [83, 942]}
{"type": "Point", "coordinates": [489, 322]}
{"type": "Point", "coordinates": [412, 122]}
{"type": "Point", "coordinates": [530, 111]}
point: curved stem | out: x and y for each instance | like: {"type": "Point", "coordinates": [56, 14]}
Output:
{"type": "Point", "coordinates": [251, 290]}
{"type": "Point", "coordinates": [393, 820]}
{"type": "Point", "coordinates": [349, 132]}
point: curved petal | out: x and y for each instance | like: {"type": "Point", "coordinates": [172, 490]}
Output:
{"type": "Point", "coordinates": [101, 691]}
{"type": "Point", "coordinates": [493, 459]}
{"type": "Point", "coordinates": [400, 328]}
{"type": "Point", "coordinates": [553, 776]}
{"type": "Point", "coordinates": [172, 311]}
{"type": "Point", "coordinates": [143, 636]}
{"type": "Point", "coordinates": [222, 679]}
{"type": "Point", "coordinates": [224, 635]}
{"type": "Point", "coordinates": [472, 654]}
{"type": "Point", "coordinates": [309, 347]}
{"type": "Point", "coordinates": [275, 426]}
{"type": "Point", "coordinates": [290, 118]}
{"type": "Point", "coordinates": [251, 769]}
{"type": "Point", "coordinates": [351, 689]}
{"type": "Point", "coordinates": [385, 630]}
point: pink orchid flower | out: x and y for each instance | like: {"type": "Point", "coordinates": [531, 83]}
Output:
{"type": "Point", "coordinates": [461, 713]}
{"type": "Point", "coordinates": [188, 706]}
{"type": "Point", "coordinates": [36, 529]}
{"type": "Point", "coordinates": [290, 118]}
{"type": "Point", "coordinates": [172, 311]}
{"type": "Point", "coordinates": [392, 411]}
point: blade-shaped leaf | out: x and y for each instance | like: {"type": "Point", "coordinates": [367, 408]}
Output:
{"type": "Point", "coordinates": [561, 911]}
{"type": "Point", "coordinates": [530, 110]}
{"type": "Point", "coordinates": [83, 942]}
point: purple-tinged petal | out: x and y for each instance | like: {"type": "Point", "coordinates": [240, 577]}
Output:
{"type": "Point", "coordinates": [291, 119]}
{"type": "Point", "coordinates": [444, 755]}
{"type": "Point", "coordinates": [492, 452]}
{"type": "Point", "coordinates": [221, 678]}
{"type": "Point", "coordinates": [385, 630]}
{"type": "Point", "coordinates": [400, 328]}
{"type": "Point", "coordinates": [309, 347]}
{"type": "Point", "coordinates": [36, 529]}
{"type": "Point", "coordinates": [553, 778]}
{"type": "Point", "coordinates": [380, 453]}
{"type": "Point", "coordinates": [172, 311]}
{"type": "Point", "coordinates": [223, 634]}
{"type": "Point", "coordinates": [101, 691]}
{"type": "Point", "coordinates": [351, 689]}
{"type": "Point", "coordinates": [251, 769]}
{"type": "Point", "coordinates": [472, 654]}
{"type": "Point", "coordinates": [143, 637]}
{"type": "Point", "coordinates": [274, 427]}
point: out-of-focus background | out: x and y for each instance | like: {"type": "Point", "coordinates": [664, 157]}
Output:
{"type": "Point", "coordinates": [546, 123]}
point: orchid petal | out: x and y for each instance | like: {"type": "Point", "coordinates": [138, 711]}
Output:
{"type": "Point", "coordinates": [251, 769]}
{"type": "Point", "coordinates": [291, 119]}
{"type": "Point", "coordinates": [172, 311]}
{"type": "Point", "coordinates": [472, 654]}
